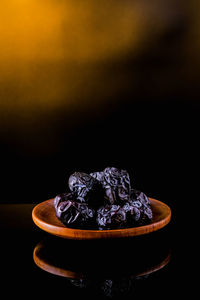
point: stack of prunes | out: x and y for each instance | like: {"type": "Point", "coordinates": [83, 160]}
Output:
{"type": "Point", "coordinates": [102, 200]}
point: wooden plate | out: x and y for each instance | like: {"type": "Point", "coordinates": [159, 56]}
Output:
{"type": "Point", "coordinates": [45, 218]}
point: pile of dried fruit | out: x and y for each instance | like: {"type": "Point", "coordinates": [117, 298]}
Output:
{"type": "Point", "coordinates": [102, 200]}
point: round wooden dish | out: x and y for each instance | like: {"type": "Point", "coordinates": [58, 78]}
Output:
{"type": "Point", "coordinates": [45, 218]}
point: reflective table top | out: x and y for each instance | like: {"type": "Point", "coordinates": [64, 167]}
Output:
{"type": "Point", "coordinates": [36, 263]}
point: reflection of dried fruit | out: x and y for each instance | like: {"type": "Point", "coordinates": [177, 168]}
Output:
{"type": "Point", "coordinates": [102, 200]}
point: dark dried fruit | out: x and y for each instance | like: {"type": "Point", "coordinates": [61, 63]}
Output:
{"type": "Point", "coordinates": [72, 213]}
{"type": "Point", "coordinates": [116, 184]}
{"type": "Point", "coordinates": [140, 201]}
{"type": "Point", "coordinates": [61, 198]}
{"type": "Point", "coordinates": [102, 200]}
{"type": "Point", "coordinates": [97, 175]}
{"type": "Point", "coordinates": [85, 188]}
{"type": "Point", "coordinates": [111, 216]}
{"type": "Point", "coordinates": [132, 214]}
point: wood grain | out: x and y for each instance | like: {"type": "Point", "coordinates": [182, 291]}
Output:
{"type": "Point", "coordinates": [44, 217]}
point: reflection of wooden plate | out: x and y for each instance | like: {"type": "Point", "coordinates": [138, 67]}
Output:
{"type": "Point", "coordinates": [44, 217]}
{"type": "Point", "coordinates": [49, 265]}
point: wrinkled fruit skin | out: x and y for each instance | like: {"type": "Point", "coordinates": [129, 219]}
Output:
{"type": "Point", "coordinates": [116, 184]}
{"type": "Point", "coordinates": [97, 175]}
{"type": "Point", "coordinates": [85, 188]}
{"type": "Point", "coordinates": [111, 216]}
{"type": "Point", "coordinates": [72, 213]}
{"type": "Point", "coordinates": [145, 206]}
{"type": "Point", "coordinates": [102, 200]}
{"type": "Point", "coordinates": [135, 212]}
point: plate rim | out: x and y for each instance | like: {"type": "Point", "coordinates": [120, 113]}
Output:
{"type": "Point", "coordinates": [85, 234]}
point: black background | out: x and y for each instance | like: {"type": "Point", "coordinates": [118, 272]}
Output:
{"type": "Point", "coordinates": [138, 112]}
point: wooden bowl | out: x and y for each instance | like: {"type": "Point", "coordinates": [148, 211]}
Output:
{"type": "Point", "coordinates": [44, 217]}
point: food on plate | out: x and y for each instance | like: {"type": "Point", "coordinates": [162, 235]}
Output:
{"type": "Point", "coordinates": [102, 200]}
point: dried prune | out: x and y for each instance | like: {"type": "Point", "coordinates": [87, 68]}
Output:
{"type": "Point", "coordinates": [116, 184]}
{"type": "Point", "coordinates": [85, 188]}
{"type": "Point", "coordinates": [103, 200]}
{"type": "Point", "coordinates": [132, 213]}
{"type": "Point", "coordinates": [111, 216]}
{"type": "Point", "coordinates": [61, 198]}
{"type": "Point", "coordinates": [140, 201]}
{"type": "Point", "coordinates": [72, 213]}
{"type": "Point", "coordinates": [135, 212]}
{"type": "Point", "coordinates": [97, 175]}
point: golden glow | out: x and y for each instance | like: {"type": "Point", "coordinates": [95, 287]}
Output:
{"type": "Point", "coordinates": [50, 49]}
{"type": "Point", "coordinates": [61, 56]}
{"type": "Point", "coordinates": [58, 53]}
{"type": "Point", "coordinates": [83, 30]}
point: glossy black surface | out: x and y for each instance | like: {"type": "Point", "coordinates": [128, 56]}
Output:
{"type": "Point", "coordinates": [35, 263]}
